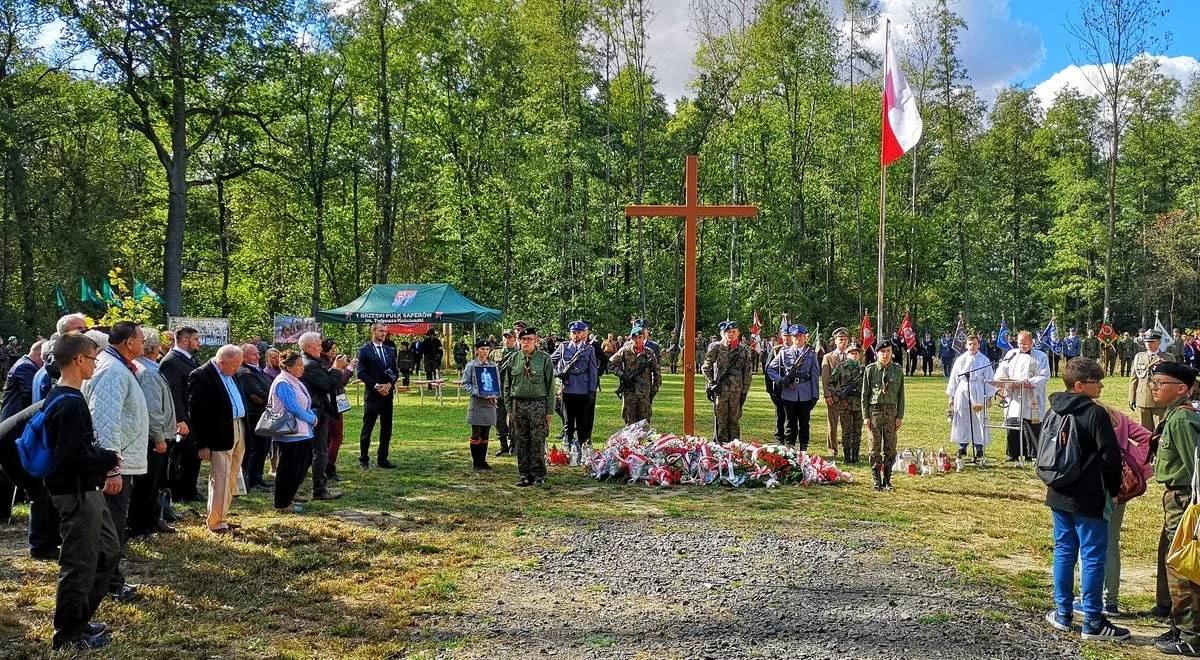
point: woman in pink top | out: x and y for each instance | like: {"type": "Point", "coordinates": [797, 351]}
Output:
{"type": "Point", "coordinates": [1134, 440]}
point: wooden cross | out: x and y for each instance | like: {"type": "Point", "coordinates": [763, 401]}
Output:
{"type": "Point", "coordinates": [691, 212]}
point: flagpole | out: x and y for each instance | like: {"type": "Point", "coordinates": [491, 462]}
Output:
{"type": "Point", "coordinates": [882, 184]}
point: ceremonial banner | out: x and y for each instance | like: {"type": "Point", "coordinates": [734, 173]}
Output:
{"type": "Point", "coordinates": [110, 296]}
{"type": "Point", "coordinates": [1002, 336]}
{"type": "Point", "coordinates": [1106, 330]}
{"type": "Point", "coordinates": [87, 294]}
{"type": "Point", "coordinates": [289, 328]}
{"type": "Point", "coordinates": [1049, 336]}
{"type": "Point", "coordinates": [142, 290]}
{"type": "Point", "coordinates": [907, 333]}
{"type": "Point", "coordinates": [756, 324]}
{"type": "Point", "coordinates": [1167, 340]}
{"type": "Point", "coordinates": [960, 335]}
{"type": "Point", "coordinates": [902, 124]}
{"type": "Point", "coordinates": [867, 335]}
{"type": "Point", "coordinates": [213, 331]}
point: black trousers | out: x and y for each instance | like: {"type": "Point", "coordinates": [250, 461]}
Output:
{"type": "Point", "coordinates": [184, 469]}
{"type": "Point", "coordinates": [927, 365]}
{"type": "Point", "coordinates": [480, 432]}
{"type": "Point", "coordinates": [90, 552]}
{"type": "Point", "coordinates": [44, 537]}
{"type": "Point", "coordinates": [798, 415]}
{"type": "Point", "coordinates": [118, 510]}
{"type": "Point", "coordinates": [502, 424]}
{"type": "Point", "coordinates": [258, 448]}
{"type": "Point", "coordinates": [144, 512]}
{"type": "Point", "coordinates": [320, 454]}
{"type": "Point", "coordinates": [294, 459]}
{"type": "Point", "coordinates": [8, 493]}
{"type": "Point", "coordinates": [404, 376]}
{"type": "Point", "coordinates": [381, 408]}
{"type": "Point", "coordinates": [579, 413]}
{"type": "Point", "coordinates": [1027, 436]}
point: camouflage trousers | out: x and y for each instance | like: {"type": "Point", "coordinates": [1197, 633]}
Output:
{"type": "Point", "coordinates": [1185, 594]}
{"type": "Point", "coordinates": [727, 415]}
{"type": "Point", "coordinates": [528, 436]}
{"type": "Point", "coordinates": [850, 418]}
{"type": "Point", "coordinates": [883, 435]}
{"type": "Point", "coordinates": [636, 407]}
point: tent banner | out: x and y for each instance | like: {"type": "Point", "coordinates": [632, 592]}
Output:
{"type": "Point", "coordinates": [213, 331]}
{"type": "Point", "coordinates": [289, 328]}
{"type": "Point", "coordinates": [416, 329]}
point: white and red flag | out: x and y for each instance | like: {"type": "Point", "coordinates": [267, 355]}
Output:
{"type": "Point", "coordinates": [868, 335]}
{"type": "Point", "coordinates": [901, 119]}
{"type": "Point", "coordinates": [756, 324]}
{"type": "Point", "coordinates": [907, 333]}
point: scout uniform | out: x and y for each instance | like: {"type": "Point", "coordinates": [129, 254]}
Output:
{"type": "Point", "coordinates": [500, 357]}
{"type": "Point", "coordinates": [1141, 399]}
{"type": "Point", "coordinates": [1091, 347]}
{"type": "Point", "coordinates": [883, 404]}
{"type": "Point", "coordinates": [1173, 467]}
{"type": "Point", "coordinates": [727, 368]}
{"type": "Point", "coordinates": [845, 389]}
{"type": "Point", "coordinates": [529, 397]}
{"type": "Point", "coordinates": [828, 363]}
{"type": "Point", "coordinates": [640, 379]}
{"type": "Point", "coordinates": [481, 408]}
{"type": "Point", "coordinates": [1072, 345]}
{"type": "Point", "coordinates": [1127, 347]}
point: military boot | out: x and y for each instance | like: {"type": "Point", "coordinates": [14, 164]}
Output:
{"type": "Point", "coordinates": [877, 473]}
{"type": "Point", "coordinates": [887, 478]}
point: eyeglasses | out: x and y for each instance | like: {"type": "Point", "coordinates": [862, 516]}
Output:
{"type": "Point", "coordinates": [90, 357]}
{"type": "Point", "coordinates": [1092, 382]}
{"type": "Point", "coordinates": [1155, 384]}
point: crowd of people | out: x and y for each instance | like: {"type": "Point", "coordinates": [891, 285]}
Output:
{"type": "Point", "coordinates": [132, 414]}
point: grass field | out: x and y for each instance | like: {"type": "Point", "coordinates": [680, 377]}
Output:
{"type": "Point", "coordinates": [357, 577]}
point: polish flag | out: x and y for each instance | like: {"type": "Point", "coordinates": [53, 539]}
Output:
{"type": "Point", "coordinates": [901, 120]}
{"type": "Point", "coordinates": [756, 324]}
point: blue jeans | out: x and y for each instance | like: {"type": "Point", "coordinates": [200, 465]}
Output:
{"type": "Point", "coordinates": [1085, 538]}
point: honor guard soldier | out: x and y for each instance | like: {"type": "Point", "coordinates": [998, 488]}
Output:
{"type": "Point", "coordinates": [928, 352]}
{"type": "Point", "coordinates": [636, 367]}
{"type": "Point", "coordinates": [1072, 345]}
{"type": "Point", "coordinates": [845, 388]}
{"type": "Point", "coordinates": [798, 385]}
{"type": "Point", "coordinates": [1109, 350]}
{"type": "Point", "coordinates": [946, 354]}
{"type": "Point", "coordinates": [841, 339]}
{"type": "Point", "coordinates": [577, 368]}
{"type": "Point", "coordinates": [508, 347]}
{"type": "Point", "coordinates": [883, 410]}
{"type": "Point", "coordinates": [1127, 347]}
{"type": "Point", "coordinates": [1091, 346]}
{"type": "Point", "coordinates": [529, 397]}
{"type": "Point", "coordinates": [785, 340]}
{"type": "Point", "coordinates": [1141, 397]}
{"type": "Point", "coordinates": [727, 370]}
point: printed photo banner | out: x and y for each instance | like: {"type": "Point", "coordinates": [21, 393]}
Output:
{"type": "Point", "coordinates": [289, 328]}
{"type": "Point", "coordinates": [213, 331]}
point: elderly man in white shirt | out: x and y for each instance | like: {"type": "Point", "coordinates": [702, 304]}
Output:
{"type": "Point", "coordinates": [122, 424]}
{"type": "Point", "coordinates": [1027, 369]}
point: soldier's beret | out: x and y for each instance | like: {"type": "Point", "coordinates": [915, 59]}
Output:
{"type": "Point", "coordinates": [507, 333]}
{"type": "Point", "coordinates": [1153, 335]}
{"type": "Point", "coordinates": [637, 329]}
{"type": "Point", "coordinates": [731, 325]}
{"type": "Point", "coordinates": [577, 326]}
{"type": "Point", "coordinates": [883, 346]}
{"type": "Point", "coordinates": [527, 332]}
{"type": "Point", "coordinates": [1176, 370]}
{"type": "Point", "coordinates": [798, 329]}
{"type": "Point", "coordinates": [480, 343]}
{"type": "Point", "coordinates": [841, 331]}
{"type": "Point", "coordinates": [517, 325]}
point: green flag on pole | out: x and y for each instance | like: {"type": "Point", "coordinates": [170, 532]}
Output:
{"type": "Point", "coordinates": [59, 298]}
{"type": "Point", "coordinates": [142, 290]}
{"type": "Point", "coordinates": [87, 294]}
{"type": "Point", "coordinates": [110, 296]}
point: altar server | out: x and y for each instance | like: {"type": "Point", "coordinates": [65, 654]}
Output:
{"type": "Point", "coordinates": [969, 393]}
{"type": "Point", "coordinates": [1029, 369]}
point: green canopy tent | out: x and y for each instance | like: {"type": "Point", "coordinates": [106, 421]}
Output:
{"type": "Point", "coordinates": [411, 303]}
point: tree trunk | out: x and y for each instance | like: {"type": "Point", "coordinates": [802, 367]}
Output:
{"type": "Point", "coordinates": [177, 185]}
{"type": "Point", "coordinates": [223, 243]}
{"type": "Point", "coordinates": [387, 204]}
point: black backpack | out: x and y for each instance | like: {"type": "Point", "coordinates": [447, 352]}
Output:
{"type": "Point", "coordinates": [1058, 455]}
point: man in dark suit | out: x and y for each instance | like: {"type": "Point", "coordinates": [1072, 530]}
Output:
{"type": "Point", "coordinates": [176, 366]}
{"type": "Point", "coordinates": [322, 383]}
{"type": "Point", "coordinates": [43, 521]}
{"type": "Point", "coordinates": [377, 371]}
{"type": "Point", "coordinates": [256, 387]}
{"type": "Point", "coordinates": [218, 430]}
{"type": "Point", "coordinates": [18, 388]}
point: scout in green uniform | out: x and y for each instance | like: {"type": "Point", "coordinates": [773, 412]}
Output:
{"type": "Point", "coordinates": [1174, 464]}
{"type": "Point", "coordinates": [501, 355]}
{"type": "Point", "coordinates": [883, 410]}
{"type": "Point", "coordinates": [727, 368]}
{"type": "Point", "coordinates": [636, 367]}
{"type": "Point", "coordinates": [1127, 347]}
{"type": "Point", "coordinates": [529, 397]}
{"type": "Point", "coordinates": [1108, 351]}
{"type": "Point", "coordinates": [845, 389]}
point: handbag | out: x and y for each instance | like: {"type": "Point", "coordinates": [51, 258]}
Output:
{"type": "Point", "coordinates": [1184, 554]}
{"type": "Point", "coordinates": [276, 423]}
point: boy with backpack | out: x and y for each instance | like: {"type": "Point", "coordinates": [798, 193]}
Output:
{"type": "Point", "coordinates": [1174, 466]}
{"type": "Point", "coordinates": [1080, 462]}
{"type": "Point", "coordinates": [80, 473]}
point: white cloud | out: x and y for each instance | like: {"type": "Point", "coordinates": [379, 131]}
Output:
{"type": "Point", "coordinates": [670, 47]}
{"type": "Point", "coordinates": [1086, 79]}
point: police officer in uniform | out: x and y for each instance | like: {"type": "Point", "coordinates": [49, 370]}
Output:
{"type": "Point", "coordinates": [727, 371]}
{"type": "Point", "coordinates": [577, 367]}
{"type": "Point", "coordinates": [883, 409]}
{"type": "Point", "coordinates": [1072, 346]}
{"type": "Point", "coordinates": [845, 387]}
{"type": "Point", "coordinates": [529, 397]}
{"type": "Point", "coordinates": [841, 339]}
{"type": "Point", "coordinates": [947, 354]}
{"type": "Point", "coordinates": [785, 340]}
{"type": "Point", "coordinates": [798, 385]}
{"type": "Point", "coordinates": [1141, 398]}
{"type": "Point", "coordinates": [640, 376]}
{"type": "Point", "coordinates": [928, 352]}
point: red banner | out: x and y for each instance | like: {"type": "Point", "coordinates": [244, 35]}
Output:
{"type": "Point", "coordinates": [868, 335]}
{"type": "Point", "coordinates": [419, 329]}
{"type": "Point", "coordinates": [907, 333]}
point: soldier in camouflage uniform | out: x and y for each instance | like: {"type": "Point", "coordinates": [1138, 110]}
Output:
{"type": "Point", "coordinates": [845, 389]}
{"type": "Point", "coordinates": [507, 349]}
{"type": "Point", "coordinates": [1127, 347]}
{"type": "Point", "coordinates": [636, 367]}
{"type": "Point", "coordinates": [529, 396]}
{"type": "Point", "coordinates": [727, 368]}
{"type": "Point", "coordinates": [883, 410]}
{"type": "Point", "coordinates": [1091, 346]}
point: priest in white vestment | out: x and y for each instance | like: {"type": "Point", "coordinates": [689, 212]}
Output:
{"type": "Point", "coordinates": [1029, 370]}
{"type": "Point", "coordinates": [970, 391]}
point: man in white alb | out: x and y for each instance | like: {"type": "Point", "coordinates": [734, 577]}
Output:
{"type": "Point", "coordinates": [1026, 369]}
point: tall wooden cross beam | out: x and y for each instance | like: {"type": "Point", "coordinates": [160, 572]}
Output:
{"type": "Point", "coordinates": [691, 212]}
